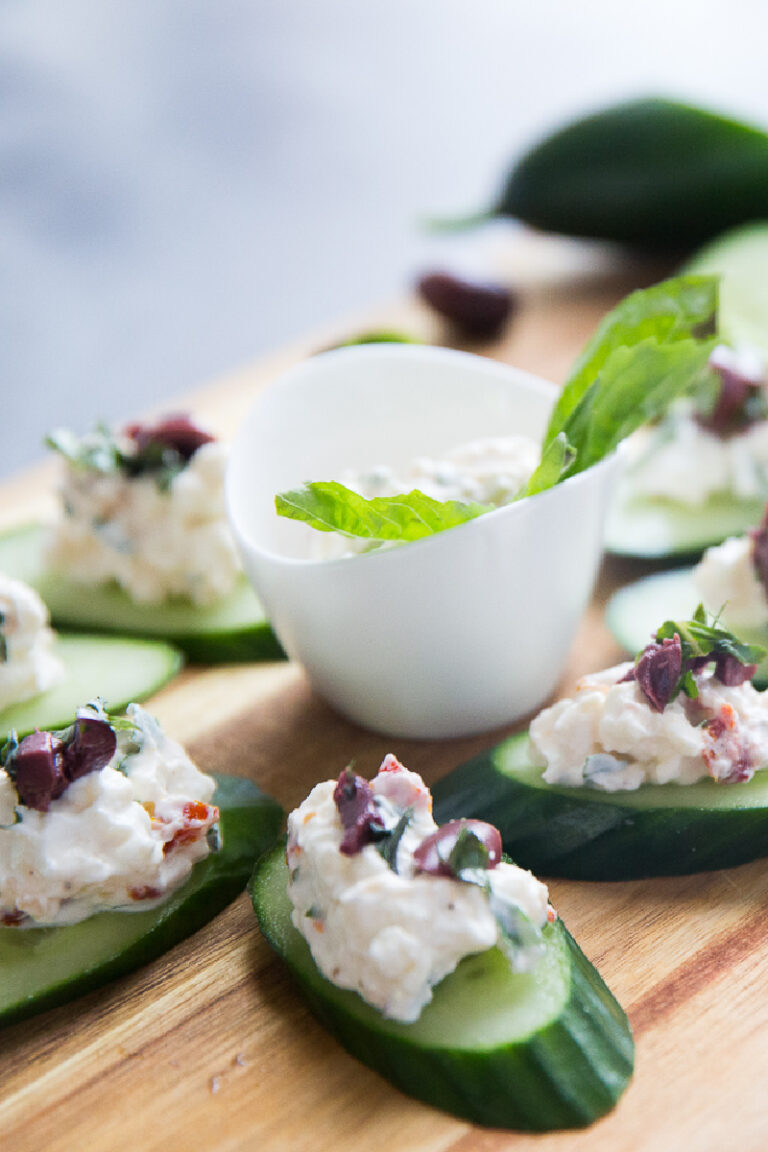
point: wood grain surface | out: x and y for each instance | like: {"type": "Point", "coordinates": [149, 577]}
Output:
{"type": "Point", "coordinates": [210, 1047]}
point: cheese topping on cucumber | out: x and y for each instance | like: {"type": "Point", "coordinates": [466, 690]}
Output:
{"type": "Point", "coordinates": [28, 663]}
{"type": "Point", "coordinates": [389, 904]}
{"type": "Point", "coordinates": [717, 443]}
{"type": "Point", "coordinates": [109, 813]}
{"type": "Point", "coordinates": [145, 508]}
{"type": "Point", "coordinates": [684, 711]}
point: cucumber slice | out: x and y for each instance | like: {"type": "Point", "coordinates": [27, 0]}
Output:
{"type": "Point", "coordinates": [634, 612]}
{"type": "Point", "coordinates": [585, 834]}
{"type": "Point", "coordinates": [661, 529]}
{"type": "Point", "coordinates": [119, 670]}
{"type": "Point", "coordinates": [740, 258]}
{"type": "Point", "coordinates": [235, 629]}
{"type": "Point", "coordinates": [42, 967]}
{"type": "Point", "coordinates": [551, 1049]}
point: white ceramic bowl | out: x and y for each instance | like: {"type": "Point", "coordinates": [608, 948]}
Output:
{"type": "Point", "coordinates": [460, 632]}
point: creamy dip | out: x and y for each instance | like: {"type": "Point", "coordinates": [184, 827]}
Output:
{"type": "Point", "coordinates": [726, 580]}
{"type": "Point", "coordinates": [123, 837]}
{"type": "Point", "coordinates": [28, 663]}
{"type": "Point", "coordinates": [608, 737]}
{"type": "Point", "coordinates": [491, 471]}
{"type": "Point", "coordinates": [155, 539]}
{"type": "Point", "coordinates": [392, 933]}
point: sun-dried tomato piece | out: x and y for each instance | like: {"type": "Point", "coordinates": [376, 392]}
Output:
{"type": "Point", "coordinates": [658, 671]}
{"type": "Point", "coordinates": [359, 816]}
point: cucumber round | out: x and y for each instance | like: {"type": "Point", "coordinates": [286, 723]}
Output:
{"type": "Point", "coordinates": [118, 669]}
{"type": "Point", "coordinates": [586, 834]}
{"type": "Point", "coordinates": [740, 258]}
{"type": "Point", "coordinates": [656, 529]}
{"type": "Point", "coordinates": [43, 967]}
{"type": "Point", "coordinates": [636, 611]}
{"type": "Point", "coordinates": [550, 1049]}
{"type": "Point", "coordinates": [233, 630]}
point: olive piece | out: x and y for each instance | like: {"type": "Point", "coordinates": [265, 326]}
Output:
{"type": "Point", "coordinates": [38, 765]}
{"type": "Point", "coordinates": [176, 431]}
{"type": "Point", "coordinates": [91, 747]}
{"type": "Point", "coordinates": [478, 311]}
{"type": "Point", "coordinates": [434, 852]}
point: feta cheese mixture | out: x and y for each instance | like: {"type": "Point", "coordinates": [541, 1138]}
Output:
{"type": "Point", "coordinates": [109, 814]}
{"type": "Point", "coordinates": [28, 663]}
{"type": "Point", "coordinates": [389, 904]}
{"type": "Point", "coordinates": [491, 471]}
{"type": "Point", "coordinates": [145, 508]}
{"type": "Point", "coordinates": [726, 579]}
{"type": "Point", "coordinates": [684, 711]}
{"type": "Point", "coordinates": [689, 458]}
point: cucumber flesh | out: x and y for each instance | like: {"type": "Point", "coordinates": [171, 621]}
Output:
{"type": "Point", "coordinates": [549, 1049]}
{"type": "Point", "coordinates": [120, 670]}
{"type": "Point", "coordinates": [43, 967]}
{"type": "Point", "coordinates": [234, 629]}
{"type": "Point", "coordinates": [740, 258]}
{"type": "Point", "coordinates": [586, 834]}
{"type": "Point", "coordinates": [656, 529]}
{"type": "Point", "coordinates": [636, 611]}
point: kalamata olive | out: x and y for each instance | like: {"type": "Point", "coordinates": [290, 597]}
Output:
{"type": "Point", "coordinates": [176, 431]}
{"type": "Point", "coordinates": [360, 819]}
{"type": "Point", "coordinates": [433, 854]}
{"type": "Point", "coordinates": [658, 671]}
{"type": "Point", "coordinates": [477, 311]}
{"type": "Point", "coordinates": [38, 764]}
{"type": "Point", "coordinates": [92, 746]}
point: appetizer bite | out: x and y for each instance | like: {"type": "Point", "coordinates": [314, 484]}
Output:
{"type": "Point", "coordinates": [44, 676]}
{"type": "Point", "coordinates": [113, 846]}
{"type": "Point", "coordinates": [143, 545]}
{"type": "Point", "coordinates": [438, 963]}
{"type": "Point", "coordinates": [730, 580]}
{"type": "Point", "coordinates": [701, 473]}
{"type": "Point", "coordinates": [653, 768]}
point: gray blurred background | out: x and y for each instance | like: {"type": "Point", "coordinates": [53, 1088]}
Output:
{"type": "Point", "coordinates": [185, 185]}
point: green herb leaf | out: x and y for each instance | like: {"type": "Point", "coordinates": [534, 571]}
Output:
{"type": "Point", "coordinates": [556, 459]}
{"type": "Point", "coordinates": [98, 451]}
{"type": "Point", "coordinates": [468, 857]}
{"type": "Point", "coordinates": [676, 310]}
{"type": "Point", "coordinates": [388, 844]}
{"type": "Point", "coordinates": [516, 931]}
{"type": "Point", "coordinates": [331, 507]}
{"type": "Point", "coordinates": [699, 639]}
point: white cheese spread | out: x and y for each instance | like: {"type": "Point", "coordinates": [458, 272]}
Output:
{"type": "Point", "coordinates": [726, 582]}
{"type": "Point", "coordinates": [608, 736]}
{"type": "Point", "coordinates": [491, 470]}
{"type": "Point", "coordinates": [392, 935]}
{"type": "Point", "coordinates": [124, 837]}
{"type": "Point", "coordinates": [28, 663]}
{"type": "Point", "coordinates": [155, 541]}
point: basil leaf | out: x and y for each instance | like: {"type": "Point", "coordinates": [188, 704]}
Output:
{"type": "Point", "coordinates": [556, 458]}
{"type": "Point", "coordinates": [468, 856]}
{"type": "Point", "coordinates": [516, 931]}
{"type": "Point", "coordinates": [675, 310]}
{"type": "Point", "coordinates": [331, 507]}
{"type": "Point", "coordinates": [700, 639]}
{"type": "Point", "coordinates": [389, 843]}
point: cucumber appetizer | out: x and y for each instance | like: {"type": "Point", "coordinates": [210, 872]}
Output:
{"type": "Point", "coordinates": [76, 912]}
{"type": "Point", "coordinates": [232, 629]}
{"type": "Point", "coordinates": [143, 545]}
{"type": "Point", "coordinates": [438, 964]}
{"type": "Point", "coordinates": [653, 769]}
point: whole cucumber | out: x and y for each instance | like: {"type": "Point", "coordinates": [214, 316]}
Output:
{"type": "Point", "coordinates": [649, 173]}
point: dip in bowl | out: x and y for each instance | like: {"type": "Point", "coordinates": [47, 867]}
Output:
{"type": "Point", "coordinates": [461, 631]}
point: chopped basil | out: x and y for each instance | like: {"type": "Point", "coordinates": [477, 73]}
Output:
{"type": "Point", "coordinates": [387, 844]}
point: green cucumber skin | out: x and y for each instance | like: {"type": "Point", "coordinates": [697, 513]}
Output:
{"type": "Point", "coordinates": [250, 822]}
{"type": "Point", "coordinates": [567, 1075]}
{"type": "Point", "coordinates": [21, 551]}
{"type": "Point", "coordinates": [563, 832]}
{"type": "Point", "coordinates": [648, 529]}
{"type": "Point", "coordinates": [650, 173]}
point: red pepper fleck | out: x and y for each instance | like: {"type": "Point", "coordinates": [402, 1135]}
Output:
{"type": "Point", "coordinates": [147, 892]}
{"type": "Point", "coordinates": [12, 919]}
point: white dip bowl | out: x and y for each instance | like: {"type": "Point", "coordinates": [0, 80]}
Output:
{"type": "Point", "coordinates": [449, 635]}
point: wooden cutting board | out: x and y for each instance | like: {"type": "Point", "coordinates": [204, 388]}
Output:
{"type": "Point", "coordinates": [210, 1047]}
